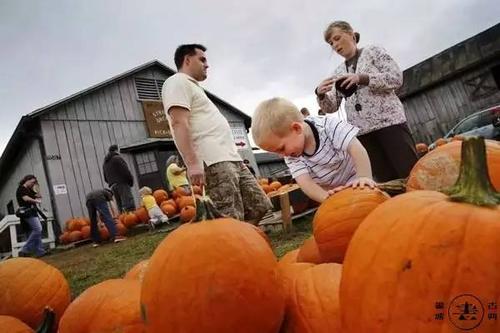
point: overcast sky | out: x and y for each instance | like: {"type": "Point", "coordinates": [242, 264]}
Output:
{"type": "Point", "coordinates": [256, 49]}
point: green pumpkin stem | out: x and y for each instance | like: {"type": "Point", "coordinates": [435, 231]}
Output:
{"type": "Point", "coordinates": [473, 184]}
{"type": "Point", "coordinates": [48, 321]}
{"type": "Point", "coordinates": [205, 210]}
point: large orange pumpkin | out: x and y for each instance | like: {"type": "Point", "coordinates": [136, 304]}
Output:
{"type": "Point", "coordinates": [262, 234]}
{"type": "Point", "coordinates": [309, 252]}
{"type": "Point", "coordinates": [339, 216]}
{"type": "Point", "coordinates": [313, 305]}
{"type": "Point", "coordinates": [212, 292]}
{"type": "Point", "coordinates": [439, 169]}
{"type": "Point", "coordinates": [142, 214]}
{"type": "Point", "coordinates": [117, 305]}
{"type": "Point", "coordinates": [424, 248]}
{"type": "Point", "coordinates": [28, 286]}
{"type": "Point", "coordinates": [160, 196]}
{"type": "Point", "coordinates": [137, 272]}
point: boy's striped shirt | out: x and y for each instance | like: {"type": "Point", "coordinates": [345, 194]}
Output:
{"type": "Point", "coordinates": [330, 165]}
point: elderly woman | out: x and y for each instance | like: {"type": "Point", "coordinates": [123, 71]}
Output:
{"type": "Point", "coordinates": [28, 198]}
{"type": "Point", "coordinates": [367, 81]}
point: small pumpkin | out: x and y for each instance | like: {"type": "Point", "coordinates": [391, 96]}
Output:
{"type": "Point", "coordinates": [75, 236]}
{"type": "Point", "coordinates": [121, 229]}
{"type": "Point", "coordinates": [338, 217]}
{"type": "Point", "coordinates": [130, 220]}
{"type": "Point", "coordinates": [118, 307]}
{"type": "Point", "coordinates": [421, 148]}
{"type": "Point", "coordinates": [142, 215]}
{"type": "Point", "coordinates": [85, 232]}
{"type": "Point", "coordinates": [309, 252]}
{"type": "Point", "coordinates": [103, 232]}
{"type": "Point", "coordinates": [187, 214]}
{"type": "Point", "coordinates": [64, 237]}
{"type": "Point", "coordinates": [21, 279]}
{"type": "Point", "coordinates": [441, 142]}
{"type": "Point", "coordinates": [160, 196]}
{"type": "Point", "coordinates": [168, 209]}
{"type": "Point", "coordinates": [186, 201]}
{"type": "Point", "coordinates": [267, 188]}
{"type": "Point", "coordinates": [209, 293]}
{"type": "Point", "coordinates": [275, 185]}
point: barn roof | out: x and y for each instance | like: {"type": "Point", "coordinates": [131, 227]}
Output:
{"type": "Point", "coordinates": [453, 61]}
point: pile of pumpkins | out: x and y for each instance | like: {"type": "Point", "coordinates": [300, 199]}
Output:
{"type": "Point", "coordinates": [373, 264]}
{"type": "Point", "coordinates": [78, 229]}
{"type": "Point", "coordinates": [274, 187]}
{"type": "Point", "coordinates": [422, 148]}
{"type": "Point", "coordinates": [180, 203]}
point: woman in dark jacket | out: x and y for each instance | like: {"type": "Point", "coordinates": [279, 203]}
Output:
{"type": "Point", "coordinates": [28, 198]}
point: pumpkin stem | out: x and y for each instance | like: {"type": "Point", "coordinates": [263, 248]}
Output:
{"type": "Point", "coordinates": [205, 210]}
{"type": "Point", "coordinates": [473, 184]}
{"type": "Point", "coordinates": [48, 321]}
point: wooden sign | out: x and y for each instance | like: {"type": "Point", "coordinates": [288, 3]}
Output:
{"type": "Point", "coordinates": [156, 119]}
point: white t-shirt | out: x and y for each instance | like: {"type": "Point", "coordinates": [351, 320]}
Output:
{"type": "Point", "coordinates": [210, 131]}
{"type": "Point", "coordinates": [330, 165]}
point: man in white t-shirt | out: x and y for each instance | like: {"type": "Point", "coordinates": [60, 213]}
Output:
{"type": "Point", "coordinates": [204, 139]}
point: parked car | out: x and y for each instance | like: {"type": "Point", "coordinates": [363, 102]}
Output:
{"type": "Point", "coordinates": [485, 123]}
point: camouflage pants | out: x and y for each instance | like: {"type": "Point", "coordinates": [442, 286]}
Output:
{"type": "Point", "coordinates": [235, 192]}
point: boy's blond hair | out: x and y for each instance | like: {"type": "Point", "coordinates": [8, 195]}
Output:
{"type": "Point", "coordinates": [274, 116]}
{"type": "Point", "coordinates": [146, 190]}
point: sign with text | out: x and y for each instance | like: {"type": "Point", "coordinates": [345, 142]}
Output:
{"type": "Point", "coordinates": [240, 137]}
{"type": "Point", "coordinates": [60, 189]}
{"type": "Point", "coordinates": [156, 119]}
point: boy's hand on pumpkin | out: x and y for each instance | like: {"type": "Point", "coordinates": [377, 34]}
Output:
{"type": "Point", "coordinates": [361, 182]}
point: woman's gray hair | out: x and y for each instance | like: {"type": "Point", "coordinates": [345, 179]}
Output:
{"type": "Point", "coordinates": [342, 25]}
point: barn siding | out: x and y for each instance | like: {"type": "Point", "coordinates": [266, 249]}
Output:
{"type": "Point", "coordinates": [433, 112]}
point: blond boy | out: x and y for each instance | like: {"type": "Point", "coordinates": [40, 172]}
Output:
{"type": "Point", "coordinates": [323, 153]}
{"type": "Point", "coordinates": [156, 216]}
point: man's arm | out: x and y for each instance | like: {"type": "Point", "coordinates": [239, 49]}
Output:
{"type": "Point", "coordinates": [183, 140]}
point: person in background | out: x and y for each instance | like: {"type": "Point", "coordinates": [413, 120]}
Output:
{"type": "Point", "coordinates": [205, 141]}
{"type": "Point", "coordinates": [305, 112]}
{"type": "Point", "coordinates": [28, 198]}
{"type": "Point", "coordinates": [98, 202]}
{"type": "Point", "coordinates": [322, 153]}
{"type": "Point", "coordinates": [156, 216]}
{"type": "Point", "coordinates": [119, 179]}
{"type": "Point", "coordinates": [367, 80]}
{"type": "Point", "coordinates": [176, 174]}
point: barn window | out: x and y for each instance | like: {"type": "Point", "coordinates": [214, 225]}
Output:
{"type": "Point", "coordinates": [481, 86]}
{"type": "Point", "coordinates": [495, 71]}
{"type": "Point", "coordinates": [146, 162]}
{"type": "Point", "coordinates": [148, 89]}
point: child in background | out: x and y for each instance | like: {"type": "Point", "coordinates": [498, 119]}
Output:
{"type": "Point", "coordinates": [156, 216]}
{"type": "Point", "coordinates": [322, 153]}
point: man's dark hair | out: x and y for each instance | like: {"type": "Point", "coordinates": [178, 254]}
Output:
{"type": "Point", "coordinates": [184, 50]}
{"type": "Point", "coordinates": [113, 148]}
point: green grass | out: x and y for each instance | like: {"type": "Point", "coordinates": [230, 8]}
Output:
{"type": "Point", "coordinates": [85, 266]}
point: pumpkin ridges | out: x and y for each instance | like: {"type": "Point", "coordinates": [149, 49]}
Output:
{"type": "Point", "coordinates": [234, 284]}
{"type": "Point", "coordinates": [309, 252]}
{"type": "Point", "coordinates": [28, 286]}
{"type": "Point", "coordinates": [114, 306]}
{"type": "Point", "coordinates": [400, 270]}
{"type": "Point", "coordinates": [439, 169]}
